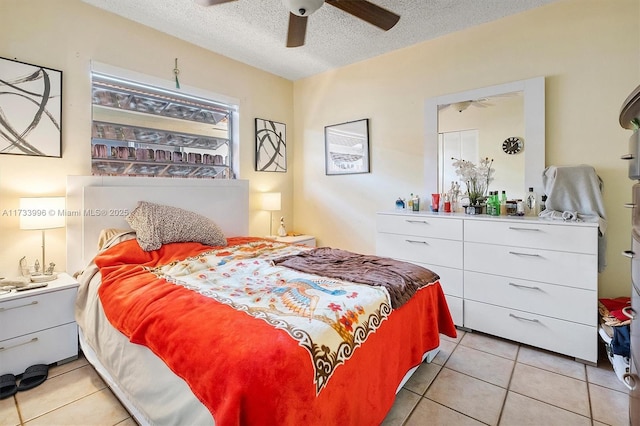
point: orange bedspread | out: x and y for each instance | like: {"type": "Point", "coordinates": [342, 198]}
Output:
{"type": "Point", "coordinates": [245, 370]}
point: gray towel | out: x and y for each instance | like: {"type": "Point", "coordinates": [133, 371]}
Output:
{"type": "Point", "coordinates": [576, 190]}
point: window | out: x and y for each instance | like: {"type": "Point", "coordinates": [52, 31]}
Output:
{"type": "Point", "coordinates": [142, 130]}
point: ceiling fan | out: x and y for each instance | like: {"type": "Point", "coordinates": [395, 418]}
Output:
{"type": "Point", "coordinates": [299, 11]}
{"type": "Point", "coordinates": [463, 105]}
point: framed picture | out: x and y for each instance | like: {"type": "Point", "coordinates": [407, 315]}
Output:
{"type": "Point", "coordinates": [347, 148]}
{"type": "Point", "coordinates": [271, 146]}
{"type": "Point", "coordinates": [31, 105]}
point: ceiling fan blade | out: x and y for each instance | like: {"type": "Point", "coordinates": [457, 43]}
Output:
{"type": "Point", "coordinates": [297, 30]}
{"type": "Point", "coordinates": [367, 11]}
{"type": "Point", "coordinates": [212, 2]}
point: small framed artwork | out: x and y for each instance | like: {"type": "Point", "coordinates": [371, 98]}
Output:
{"type": "Point", "coordinates": [347, 148]}
{"type": "Point", "coordinates": [31, 105]}
{"type": "Point", "coordinates": [271, 146]}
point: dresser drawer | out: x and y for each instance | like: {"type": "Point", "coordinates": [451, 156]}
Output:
{"type": "Point", "coordinates": [31, 313]}
{"type": "Point", "coordinates": [567, 303]}
{"type": "Point", "coordinates": [423, 226]}
{"type": "Point", "coordinates": [579, 239]}
{"type": "Point", "coordinates": [450, 278]}
{"type": "Point", "coordinates": [420, 249]}
{"type": "Point", "coordinates": [576, 340]}
{"type": "Point", "coordinates": [455, 309]}
{"type": "Point", "coordinates": [43, 347]}
{"type": "Point", "coordinates": [569, 269]}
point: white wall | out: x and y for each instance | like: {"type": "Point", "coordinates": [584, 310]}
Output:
{"type": "Point", "coordinates": [587, 50]}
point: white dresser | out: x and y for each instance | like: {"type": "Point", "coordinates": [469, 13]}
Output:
{"type": "Point", "coordinates": [528, 280]}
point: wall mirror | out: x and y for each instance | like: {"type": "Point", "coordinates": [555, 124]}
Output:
{"type": "Point", "coordinates": [516, 110]}
{"type": "Point", "coordinates": [347, 147]}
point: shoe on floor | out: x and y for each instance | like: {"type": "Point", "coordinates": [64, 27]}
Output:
{"type": "Point", "coordinates": [33, 376]}
{"type": "Point", "coordinates": [8, 386]}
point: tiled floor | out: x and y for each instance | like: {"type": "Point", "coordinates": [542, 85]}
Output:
{"type": "Point", "coordinates": [474, 380]}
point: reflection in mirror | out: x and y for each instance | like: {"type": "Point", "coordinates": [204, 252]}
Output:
{"type": "Point", "coordinates": [532, 133]}
{"type": "Point", "coordinates": [347, 148]}
{"type": "Point", "coordinates": [477, 129]}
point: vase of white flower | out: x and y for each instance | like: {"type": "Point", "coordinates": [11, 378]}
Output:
{"type": "Point", "coordinates": [477, 179]}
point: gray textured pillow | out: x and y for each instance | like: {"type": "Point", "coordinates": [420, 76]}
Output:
{"type": "Point", "coordinates": [157, 224]}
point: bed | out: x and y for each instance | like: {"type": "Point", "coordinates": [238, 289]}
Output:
{"type": "Point", "coordinates": [248, 331]}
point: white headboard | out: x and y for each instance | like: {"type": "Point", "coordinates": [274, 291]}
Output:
{"type": "Point", "coordinates": [98, 202]}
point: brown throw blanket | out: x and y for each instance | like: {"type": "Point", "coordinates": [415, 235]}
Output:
{"type": "Point", "coordinates": [401, 279]}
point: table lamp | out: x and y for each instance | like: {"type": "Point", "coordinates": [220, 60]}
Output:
{"type": "Point", "coordinates": [42, 213]}
{"type": "Point", "coordinates": [271, 201]}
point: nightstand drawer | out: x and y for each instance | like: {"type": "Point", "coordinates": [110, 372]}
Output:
{"type": "Point", "coordinates": [28, 314]}
{"type": "Point", "coordinates": [44, 347]}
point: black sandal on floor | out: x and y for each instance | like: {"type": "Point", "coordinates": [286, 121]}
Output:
{"type": "Point", "coordinates": [8, 386]}
{"type": "Point", "coordinates": [33, 376]}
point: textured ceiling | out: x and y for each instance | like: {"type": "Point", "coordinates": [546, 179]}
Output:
{"type": "Point", "coordinates": [254, 31]}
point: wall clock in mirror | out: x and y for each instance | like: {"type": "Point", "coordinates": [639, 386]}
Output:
{"type": "Point", "coordinates": [513, 145]}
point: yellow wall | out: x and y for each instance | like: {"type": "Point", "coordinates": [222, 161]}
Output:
{"type": "Point", "coordinates": [67, 35]}
{"type": "Point", "coordinates": [588, 52]}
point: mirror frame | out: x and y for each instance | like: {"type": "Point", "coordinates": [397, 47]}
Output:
{"type": "Point", "coordinates": [534, 128]}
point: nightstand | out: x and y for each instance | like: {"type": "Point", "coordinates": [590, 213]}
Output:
{"type": "Point", "coordinates": [306, 240]}
{"type": "Point", "coordinates": [38, 326]}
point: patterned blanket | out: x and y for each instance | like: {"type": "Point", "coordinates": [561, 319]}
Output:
{"type": "Point", "coordinates": [328, 317]}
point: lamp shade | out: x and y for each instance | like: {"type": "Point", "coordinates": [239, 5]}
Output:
{"type": "Point", "coordinates": [271, 201]}
{"type": "Point", "coordinates": [42, 212]}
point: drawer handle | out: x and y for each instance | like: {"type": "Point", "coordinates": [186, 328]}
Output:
{"type": "Point", "coordinates": [523, 318]}
{"type": "Point", "coordinates": [515, 228]}
{"type": "Point", "coordinates": [418, 221]}
{"type": "Point", "coordinates": [524, 254]}
{"type": "Point", "coordinates": [629, 380]}
{"type": "Point", "coordinates": [629, 205]}
{"type": "Point", "coordinates": [629, 312]}
{"type": "Point", "coordinates": [526, 286]}
{"type": "Point", "coordinates": [417, 242]}
{"type": "Point", "coordinates": [629, 253]}
{"type": "Point", "coordinates": [35, 302]}
{"type": "Point", "coordinates": [627, 157]}
{"type": "Point", "coordinates": [3, 348]}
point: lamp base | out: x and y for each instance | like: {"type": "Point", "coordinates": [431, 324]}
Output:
{"type": "Point", "coordinates": [43, 278]}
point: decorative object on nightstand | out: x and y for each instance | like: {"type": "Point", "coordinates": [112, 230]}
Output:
{"type": "Point", "coordinates": [271, 201]}
{"type": "Point", "coordinates": [38, 325]}
{"type": "Point", "coordinates": [282, 232]}
{"type": "Point", "coordinates": [42, 213]}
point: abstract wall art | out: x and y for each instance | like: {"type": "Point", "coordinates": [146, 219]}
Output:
{"type": "Point", "coordinates": [271, 146]}
{"type": "Point", "coordinates": [30, 109]}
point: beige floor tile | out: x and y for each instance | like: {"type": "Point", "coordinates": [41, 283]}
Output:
{"type": "Point", "coordinates": [481, 365]}
{"type": "Point", "coordinates": [128, 422]}
{"type": "Point", "coordinates": [460, 335]}
{"type": "Point", "coordinates": [9, 412]}
{"type": "Point", "coordinates": [609, 406]}
{"type": "Point", "coordinates": [520, 410]}
{"type": "Point", "coordinates": [431, 413]}
{"type": "Point", "coordinates": [467, 395]}
{"type": "Point", "coordinates": [422, 378]}
{"type": "Point", "coordinates": [552, 388]}
{"type": "Point", "coordinates": [99, 408]}
{"type": "Point", "coordinates": [64, 368]}
{"type": "Point", "coordinates": [493, 345]}
{"type": "Point", "coordinates": [402, 407]}
{"type": "Point", "coordinates": [552, 362]}
{"type": "Point", "coordinates": [603, 375]}
{"type": "Point", "coordinates": [58, 391]}
{"type": "Point", "coordinates": [446, 347]}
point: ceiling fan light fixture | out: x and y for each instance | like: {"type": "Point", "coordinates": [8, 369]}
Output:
{"type": "Point", "coordinates": [302, 7]}
{"type": "Point", "coordinates": [461, 106]}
